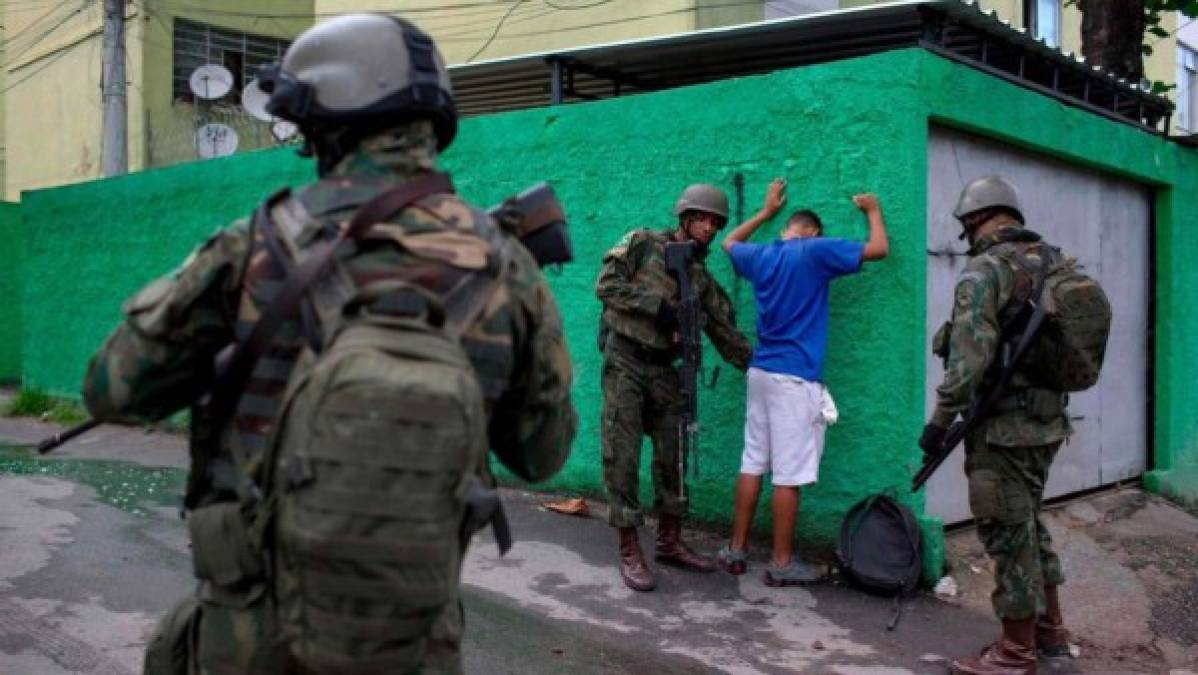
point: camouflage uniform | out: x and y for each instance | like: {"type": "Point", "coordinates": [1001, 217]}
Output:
{"type": "Point", "coordinates": [640, 384]}
{"type": "Point", "coordinates": [160, 360]}
{"type": "Point", "coordinates": [1009, 453]}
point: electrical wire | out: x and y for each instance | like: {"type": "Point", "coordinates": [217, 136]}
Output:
{"type": "Point", "coordinates": [611, 22]}
{"type": "Point", "coordinates": [597, 3]}
{"type": "Point", "coordinates": [308, 15]}
{"type": "Point", "coordinates": [48, 31]}
{"type": "Point", "coordinates": [33, 25]}
{"type": "Point", "coordinates": [46, 64]}
{"type": "Point", "coordinates": [494, 32]}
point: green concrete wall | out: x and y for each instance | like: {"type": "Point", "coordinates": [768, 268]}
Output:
{"type": "Point", "coordinates": [619, 164]}
{"type": "Point", "coordinates": [833, 129]}
{"type": "Point", "coordinates": [88, 246]}
{"type": "Point", "coordinates": [10, 292]}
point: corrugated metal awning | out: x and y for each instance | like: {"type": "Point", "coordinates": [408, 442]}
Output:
{"type": "Point", "coordinates": [953, 29]}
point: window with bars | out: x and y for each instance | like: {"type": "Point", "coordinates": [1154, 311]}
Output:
{"type": "Point", "coordinates": [197, 44]}
{"type": "Point", "coordinates": [1187, 88]}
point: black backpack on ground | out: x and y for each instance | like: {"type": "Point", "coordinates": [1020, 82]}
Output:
{"type": "Point", "coordinates": [880, 549]}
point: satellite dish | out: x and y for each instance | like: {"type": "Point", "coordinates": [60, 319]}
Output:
{"type": "Point", "coordinates": [211, 81]}
{"type": "Point", "coordinates": [254, 100]}
{"type": "Point", "coordinates": [283, 130]}
{"type": "Point", "coordinates": [215, 140]}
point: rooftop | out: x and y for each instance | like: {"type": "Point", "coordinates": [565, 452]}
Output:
{"type": "Point", "coordinates": [956, 30]}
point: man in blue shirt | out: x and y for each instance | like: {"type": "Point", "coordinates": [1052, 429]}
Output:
{"type": "Point", "coordinates": [787, 405]}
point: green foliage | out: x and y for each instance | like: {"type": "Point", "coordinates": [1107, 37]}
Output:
{"type": "Point", "coordinates": [1160, 88]}
{"type": "Point", "coordinates": [33, 403]}
{"type": "Point", "coordinates": [1153, 9]}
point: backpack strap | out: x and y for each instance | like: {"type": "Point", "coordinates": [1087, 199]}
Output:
{"type": "Point", "coordinates": [226, 392]}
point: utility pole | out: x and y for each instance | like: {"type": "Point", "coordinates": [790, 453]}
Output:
{"type": "Point", "coordinates": [114, 154]}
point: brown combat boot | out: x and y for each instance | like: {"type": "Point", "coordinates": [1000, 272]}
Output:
{"type": "Point", "coordinates": [1012, 654]}
{"type": "Point", "coordinates": [672, 551]}
{"type": "Point", "coordinates": [633, 568]}
{"type": "Point", "coordinates": [1052, 640]}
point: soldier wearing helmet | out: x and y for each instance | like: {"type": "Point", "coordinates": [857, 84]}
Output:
{"type": "Point", "coordinates": [372, 98]}
{"type": "Point", "coordinates": [639, 340]}
{"type": "Point", "coordinates": [1009, 453]}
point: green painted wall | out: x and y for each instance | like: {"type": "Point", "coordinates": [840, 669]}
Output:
{"type": "Point", "coordinates": [10, 292]}
{"type": "Point", "coordinates": [90, 245]}
{"type": "Point", "coordinates": [833, 129]}
{"type": "Point", "coordinates": [619, 164]}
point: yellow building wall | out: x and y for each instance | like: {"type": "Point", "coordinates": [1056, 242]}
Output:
{"type": "Point", "coordinates": [3, 87]}
{"type": "Point", "coordinates": [170, 126]}
{"type": "Point", "coordinates": [491, 31]}
{"type": "Point", "coordinates": [52, 103]}
{"type": "Point", "coordinates": [717, 13]}
{"type": "Point", "coordinates": [53, 110]}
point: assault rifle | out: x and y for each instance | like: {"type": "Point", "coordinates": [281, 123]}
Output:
{"type": "Point", "coordinates": [534, 216]}
{"type": "Point", "coordinates": [1012, 356]}
{"type": "Point", "coordinates": [679, 257]}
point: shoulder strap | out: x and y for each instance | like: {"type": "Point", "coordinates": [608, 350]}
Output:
{"type": "Point", "coordinates": [226, 392]}
{"type": "Point", "coordinates": [481, 288]}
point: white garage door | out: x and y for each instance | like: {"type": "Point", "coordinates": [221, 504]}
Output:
{"type": "Point", "coordinates": [1104, 222]}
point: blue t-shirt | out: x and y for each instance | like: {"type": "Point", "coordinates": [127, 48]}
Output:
{"type": "Point", "coordinates": [790, 282]}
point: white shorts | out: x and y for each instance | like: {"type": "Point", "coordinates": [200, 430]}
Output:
{"type": "Point", "coordinates": [785, 421]}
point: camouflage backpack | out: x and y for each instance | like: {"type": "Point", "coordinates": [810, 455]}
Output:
{"type": "Point", "coordinates": [376, 472]}
{"type": "Point", "coordinates": [383, 435]}
{"type": "Point", "coordinates": [1068, 353]}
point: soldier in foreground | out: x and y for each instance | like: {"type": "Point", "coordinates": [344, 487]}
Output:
{"type": "Point", "coordinates": [336, 481]}
{"type": "Point", "coordinates": [1009, 452]}
{"type": "Point", "coordinates": [641, 388]}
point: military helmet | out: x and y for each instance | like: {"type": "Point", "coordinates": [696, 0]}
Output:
{"type": "Point", "coordinates": [702, 197]}
{"type": "Point", "coordinates": [985, 193]}
{"type": "Point", "coordinates": [362, 69]}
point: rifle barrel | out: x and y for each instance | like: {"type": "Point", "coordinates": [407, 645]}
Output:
{"type": "Point", "coordinates": [951, 439]}
{"type": "Point", "coordinates": [982, 407]}
{"type": "Point", "coordinates": [48, 444]}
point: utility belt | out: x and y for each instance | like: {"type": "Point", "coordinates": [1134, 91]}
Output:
{"type": "Point", "coordinates": [1044, 405]}
{"type": "Point", "coordinates": [643, 353]}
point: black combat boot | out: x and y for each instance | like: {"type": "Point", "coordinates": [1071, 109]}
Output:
{"type": "Point", "coordinates": [671, 550]}
{"type": "Point", "coordinates": [633, 568]}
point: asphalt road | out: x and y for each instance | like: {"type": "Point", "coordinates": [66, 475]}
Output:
{"type": "Point", "coordinates": [92, 552]}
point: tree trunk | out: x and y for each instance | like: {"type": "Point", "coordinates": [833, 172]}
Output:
{"type": "Point", "coordinates": [1112, 33]}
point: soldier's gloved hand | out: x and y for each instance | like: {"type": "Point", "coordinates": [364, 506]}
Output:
{"type": "Point", "coordinates": [667, 317]}
{"type": "Point", "coordinates": [931, 439]}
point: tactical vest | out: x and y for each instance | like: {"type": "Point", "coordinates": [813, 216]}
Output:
{"type": "Point", "coordinates": [426, 266]}
{"type": "Point", "coordinates": [651, 273]}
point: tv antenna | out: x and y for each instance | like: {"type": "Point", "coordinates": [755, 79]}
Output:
{"type": "Point", "coordinates": [215, 140]}
{"type": "Point", "coordinates": [283, 130]}
{"type": "Point", "coordinates": [254, 100]}
{"type": "Point", "coordinates": [211, 81]}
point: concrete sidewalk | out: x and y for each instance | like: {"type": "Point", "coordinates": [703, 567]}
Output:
{"type": "Point", "coordinates": [92, 551]}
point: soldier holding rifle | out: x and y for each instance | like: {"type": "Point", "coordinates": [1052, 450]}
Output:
{"type": "Point", "coordinates": [641, 337]}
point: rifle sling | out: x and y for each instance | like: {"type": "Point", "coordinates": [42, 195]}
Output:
{"type": "Point", "coordinates": [993, 395]}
